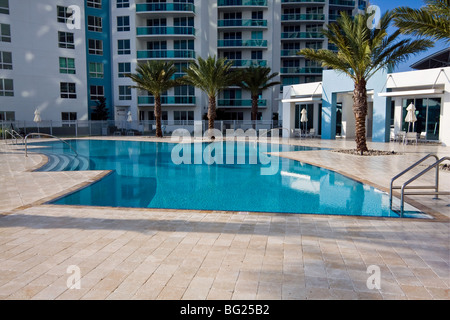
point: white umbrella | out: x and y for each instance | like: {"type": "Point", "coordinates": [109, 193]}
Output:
{"type": "Point", "coordinates": [304, 118]}
{"type": "Point", "coordinates": [130, 118]}
{"type": "Point", "coordinates": [411, 115]}
{"type": "Point", "coordinates": [37, 118]}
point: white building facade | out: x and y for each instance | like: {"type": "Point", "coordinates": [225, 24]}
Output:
{"type": "Point", "coordinates": [329, 105]}
{"type": "Point", "coordinates": [43, 61]}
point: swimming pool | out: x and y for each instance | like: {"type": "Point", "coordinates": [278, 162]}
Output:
{"type": "Point", "coordinates": [144, 175]}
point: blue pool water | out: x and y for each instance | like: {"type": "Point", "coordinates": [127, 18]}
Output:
{"type": "Point", "coordinates": [144, 175]}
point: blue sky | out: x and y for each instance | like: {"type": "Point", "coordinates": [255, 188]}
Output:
{"type": "Point", "coordinates": [392, 4]}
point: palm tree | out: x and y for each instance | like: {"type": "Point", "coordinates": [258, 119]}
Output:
{"type": "Point", "coordinates": [155, 77]}
{"type": "Point", "coordinates": [211, 76]}
{"type": "Point", "coordinates": [255, 80]}
{"type": "Point", "coordinates": [361, 53]}
{"type": "Point", "coordinates": [430, 21]}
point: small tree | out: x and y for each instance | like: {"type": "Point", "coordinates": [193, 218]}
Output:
{"type": "Point", "coordinates": [211, 76]}
{"type": "Point", "coordinates": [255, 80]}
{"type": "Point", "coordinates": [101, 111]}
{"type": "Point", "coordinates": [155, 77]}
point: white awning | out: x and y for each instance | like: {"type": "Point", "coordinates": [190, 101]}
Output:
{"type": "Point", "coordinates": [410, 93]}
{"type": "Point", "coordinates": [298, 100]}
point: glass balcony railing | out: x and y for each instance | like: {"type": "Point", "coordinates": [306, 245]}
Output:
{"type": "Point", "coordinates": [289, 52]}
{"type": "Point", "coordinates": [242, 23]}
{"type": "Point", "coordinates": [300, 70]}
{"type": "Point", "coordinates": [345, 3]}
{"type": "Point", "coordinates": [168, 100]}
{"type": "Point", "coordinates": [165, 7]}
{"type": "Point", "coordinates": [239, 103]}
{"type": "Point", "coordinates": [242, 43]}
{"type": "Point", "coordinates": [249, 63]}
{"type": "Point", "coordinates": [154, 31]}
{"type": "Point", "coordinates": [252, 3]}
{"type": "Point", "coordinates": [303, 17]}
{"type": "Point", "coordinates": [302, 35]}
{"type": "Point", "coordinates": [166, 54]}
{"type": "Point", "coordinates": [303, 1]}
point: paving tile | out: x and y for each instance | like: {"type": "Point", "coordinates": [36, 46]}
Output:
{"type": "Point", "coordinates": [155, 254]}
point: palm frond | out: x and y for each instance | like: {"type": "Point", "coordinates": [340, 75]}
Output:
{"type": "Point", "coordinates": [431, 21]}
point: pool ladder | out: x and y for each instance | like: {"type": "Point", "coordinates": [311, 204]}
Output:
{"type": "Point", "coordinates": [407, 186]}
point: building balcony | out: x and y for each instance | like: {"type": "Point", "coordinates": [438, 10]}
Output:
{"type": "Point", "coordinates": [289, 52]}
{"type": "Point", "coordinates": [342, 3]}
{"type": "Point", "coordinates": [249, 63]}
{"type": "Point", "coordinates": [166, 31]}
{"type": "Point", "coordinates": [302, 1]}
{"type": "Point", "coordinates": [166, 54]}
{"type": "Point", "coordinates": [171, 8]}
{"type": "Point", "coordinates": [301, 35]}
{"type": "Point", "coordinates": [242, 23]}
{"type": "Point", "coordinates": [168, 100]}
{"type": "Point", "coordinates": [300, 70]}
{"type": "Point", "coordinates": [239, 43]}
{"type": "Point", "coordinates": [239, 103]}
{"type": "Point", "coordinates": [242, 3]}
{"type": "Point", "coordinates": [302, 17]}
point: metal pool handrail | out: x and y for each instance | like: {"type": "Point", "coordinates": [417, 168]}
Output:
{"type": "Point", "coordinates": [46, 135]}
{"type": "Point", "coordinates": [13, 133]}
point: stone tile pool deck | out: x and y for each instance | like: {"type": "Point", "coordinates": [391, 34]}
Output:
{"type": "Point", "coordinates": [175, 254]}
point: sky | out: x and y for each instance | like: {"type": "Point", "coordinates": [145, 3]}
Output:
{"type": "Point", "coordinates": [392, 4]}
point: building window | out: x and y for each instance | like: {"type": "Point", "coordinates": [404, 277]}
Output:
{"type": "Point", "coordinates": [94, 3]}
{"type": "Point", "coordinates": [6, 60]}
{"type": "Point", "coordinates": [124, 93]}
{"type": "Point", "coordinates": [97, 92]}
{"type": "Point", "coordinates": [123, 23]}
{"type": "Point", "coordinates": [63, 14]}
{"type": "Point", "coordinates": [4, 6]}
{"type": "Point", "coordinates": [65, 40]}
{"type": "Point", "coordinates": [7, 116]}
{"type": "Point", "coordinates": [96, 70]}
{"type": "Point", "coordinates": [124, 47]}
{"type": "Point", "coordinates": [95, 24]}
{"type": "Point", "coordinates": [67, 118]}
{"type": "Point", "coordinates": [5, 32]}
{"type": "Point", "coordinates": [6, 88]}
{"type": "Point", "coordinates": [67, 65]}
{"type": "Point", "coordinates": [68, 90]}
{"type": "Point", "coordinates": [123, 3]}
{"type": "Point", "coordinates": [95, 47]}
{"type": "Point", "coordinates": [183, 115]}
{"type": "Point", "coordinates": [124, 69]}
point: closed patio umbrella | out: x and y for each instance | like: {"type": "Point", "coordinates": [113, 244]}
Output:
{"type": "Point", "coordinates": [37, 118]}
{"type": "Point", "coordinates": [411, 116]}
{"type": "Point", "coordinates": [304, 118]}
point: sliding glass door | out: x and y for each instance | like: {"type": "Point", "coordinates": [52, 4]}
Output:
{"type": "Point", "coordinates": [428, 112]}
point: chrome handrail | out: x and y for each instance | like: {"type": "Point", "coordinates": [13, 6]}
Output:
{"type": "Point", "coordinates": [417, 176]}
{"type": "Point", "coordinates": [406, 171]}
{"type": "Point", "coordinates": [46, 135]}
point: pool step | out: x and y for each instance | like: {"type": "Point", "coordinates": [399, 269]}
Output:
{"type": "Point", "coordinates": [66, 162]}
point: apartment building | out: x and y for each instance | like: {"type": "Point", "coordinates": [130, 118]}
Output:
{"type": "Point", "coordinates": [60, 61]}
{"type": "Point", "coordinates": [43, 61]}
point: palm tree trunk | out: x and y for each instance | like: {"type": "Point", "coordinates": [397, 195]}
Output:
{"type": "Point", "coordinates": [254, 109]}
{"type": "Point", "coordinates": [158, 116]}
{"type": "Point", "coordinates": [211, 112]}
{"type": "Point", "coordinates": [360, 110]}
